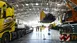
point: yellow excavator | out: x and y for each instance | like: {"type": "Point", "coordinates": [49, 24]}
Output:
{"type": "Point", "coordinates": [8, 29]}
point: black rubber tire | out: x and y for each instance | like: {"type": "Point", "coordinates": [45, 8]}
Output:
{"type": "Point", "coordinates": [18, 34]}
{"type": "Point", "coordinates": [21, 33]}
{"type": "Point", "coordinates": [24, 32]}
{"type": "Point", "coordinates": [14, 35]}
{"type": "Point", "coordinates": [5, 38]}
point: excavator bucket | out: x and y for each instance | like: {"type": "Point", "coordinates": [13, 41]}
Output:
{"type": "Point", "coordinates": [46, 18]}
{"type": "Point", "coordinates": [42, 15]}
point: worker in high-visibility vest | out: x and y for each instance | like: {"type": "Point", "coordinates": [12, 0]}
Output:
{"type": "Point", "coordinates": [42, 30]}
{"type": "Point", "coordinates": [42, 27]}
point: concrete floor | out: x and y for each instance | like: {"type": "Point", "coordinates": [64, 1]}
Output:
{"type": "Point", "coordinates": [38, 37]}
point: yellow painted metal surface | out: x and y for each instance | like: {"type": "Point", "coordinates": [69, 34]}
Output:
{"type": "Point", "coordinates": [5, 21]}
{"type": "Point", "coordinates": [1, 24]}
{"type": "Point", "coordinates": [1, 34]}
{"type": "Point", "coordinates": [54, 24]}
{"type": "Point", "coordinates": [9, 12]}
{"type": "Point", "coordinates": [2, 3]}
{"type": "Point", "coordinates": [42, 15]}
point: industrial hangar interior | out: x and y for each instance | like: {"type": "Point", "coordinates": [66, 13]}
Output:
{"type": "Point", "coordinates": [38, 21]}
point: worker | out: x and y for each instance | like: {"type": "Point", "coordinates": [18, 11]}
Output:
{"type": "Point", "coordinates": [42, 27]}
{"type": "Point", "coordinates": [49, 28]}
{"type": "Point", "coordinates": [43, 30]}
{"type": "Point", "coordinates": [37, 28]}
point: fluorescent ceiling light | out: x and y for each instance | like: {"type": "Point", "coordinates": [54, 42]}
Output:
{"type": "Point", "coordinates": [30, 9]}
{"type": "Point", "coordinates": [47, 3]}
{"type": "Point", "coordinates": [16, 5]}
{"type": "Point", "coordinates": [46, 8]}
{"type": "Point", "coordinates": [56, 9]}
{"type": "Point", "coordinates": [26, 4]}
{"type": "Point", "coordinates": [37, 4]}
{"type": "Point", "coordinates": [61, 4]}
{"type": "Point", "coordinates": [58, 4]}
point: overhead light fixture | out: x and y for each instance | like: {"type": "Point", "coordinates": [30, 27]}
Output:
{"type": "Point", "coordinates": [58, 4]}
{"type": "Point", "coordinates": [47, 3]}
{"type": "Point", "coordinates": [16, 5]}
{"type": "Point", "coordinates": [56, 9]}
{"type": "Point", "coordinates": [37, 4]}
{"type": "Point", "coordinates": [30, 9]}
{"type": "Point", "coordinates": [61, 4]}
{"type": "Point", "coordinates": [26, 4]}
{"type": "Point", "coordinates": [46, 8]}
